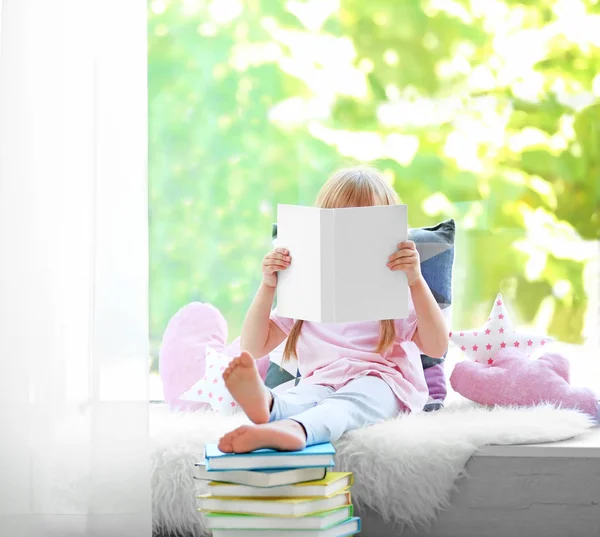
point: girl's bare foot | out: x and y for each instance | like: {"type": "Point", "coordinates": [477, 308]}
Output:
{"type": "Point", "coordinates": [284, 435]}
{"type": "Point", "coordinates": [247, 388]}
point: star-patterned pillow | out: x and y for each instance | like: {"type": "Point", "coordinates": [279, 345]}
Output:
{"type": "Point", "coordinates": [482, 344]}
{"type": "Point", "coordinates": [211, 388]}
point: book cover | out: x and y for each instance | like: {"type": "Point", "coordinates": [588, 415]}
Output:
{"type": "Point", "coordinates": [320, 455]}
{"type": "Point", "coordinates": [316, 521]}
{"type": "Point", "coordinates": [260, 478]}
{"type": "Point", "coordinates": [338, 271]}
{"type": "Point", "coordinates": [346, 528]}
{"type": "Point", "coordinates": [332, 483]}
{"type": "Point", "coordinates": [292, 507]}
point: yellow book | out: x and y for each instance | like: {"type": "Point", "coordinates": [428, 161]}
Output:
{"type": "Point", "coordinates": [332, 483]}
{"type": "Point", "coordinates": [290, 507]}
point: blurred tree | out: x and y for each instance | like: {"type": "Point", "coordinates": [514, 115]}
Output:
{"type": "Point", "coordinates": [483, 111]}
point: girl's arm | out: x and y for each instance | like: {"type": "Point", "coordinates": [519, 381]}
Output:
{"type": "Point", "coordinates": [260, 335]}
{"type": "Point", "coordinates": [431, 335]}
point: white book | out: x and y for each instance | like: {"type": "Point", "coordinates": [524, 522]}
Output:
{"type": "Point", "coordinates": [256, 478]}
{"type": "Point", "coordinates": [339, 267]}
{"type": "Point", "coordinates": [344, 529]}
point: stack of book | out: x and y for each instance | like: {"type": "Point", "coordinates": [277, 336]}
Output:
{"type": "Point", "coordinates": [266, 493]}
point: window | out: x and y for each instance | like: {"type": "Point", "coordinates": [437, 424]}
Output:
{"type": "Point", "coordinates": [486, 112]}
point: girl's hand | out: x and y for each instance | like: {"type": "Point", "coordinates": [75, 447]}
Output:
{"type": "Point", "coordinates": [276, 260]}
{"type": "Point", "coordinates": [406, 259]}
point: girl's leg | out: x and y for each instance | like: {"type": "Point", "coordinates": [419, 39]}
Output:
{"type": "Point", "coordinates": [297, 400]}
{"type": "Point", "coordinates": [361, 402]}
{"type": "Point", "coordinates": [280, 433]}
{"type": "Point", "coordinates": [259, 403]}
{"type": "Point", "coordinates": [247, 388]}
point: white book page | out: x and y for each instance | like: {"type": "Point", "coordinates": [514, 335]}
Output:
{"type": "Point", "coordinates": [365, 288]}
{"type": "Point", "coordinates": [299, 286]}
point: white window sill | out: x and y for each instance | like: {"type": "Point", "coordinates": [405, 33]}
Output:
{"type": "Point", "coordinates": [586, 445]}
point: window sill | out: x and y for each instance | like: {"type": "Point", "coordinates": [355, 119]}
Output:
{"type": "Point", "coordinates": [586, 445]}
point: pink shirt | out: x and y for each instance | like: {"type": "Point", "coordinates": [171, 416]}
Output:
{"type": "Point", "coordinates": [333, 354]}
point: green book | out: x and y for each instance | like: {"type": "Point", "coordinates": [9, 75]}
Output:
{"type": "Point", "coordinates": [318, 521]}
{"type": "Point", "coordinates": [292, 507]}
{"type": "Point", "coordinates": [343, 529]}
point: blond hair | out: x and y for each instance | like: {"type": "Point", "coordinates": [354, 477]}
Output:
{"type": "Point", "coordinates": [352, 187]}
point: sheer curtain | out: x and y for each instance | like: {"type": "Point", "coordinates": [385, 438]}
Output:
{"type": "Point", "coordinates": [73, 269]}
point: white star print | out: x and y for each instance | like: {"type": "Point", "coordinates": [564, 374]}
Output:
{"type": "Point", "coordinates": [497, 333]}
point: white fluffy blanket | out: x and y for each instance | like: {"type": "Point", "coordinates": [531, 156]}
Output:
{"type": "Point", "coordinates": [405, 469]}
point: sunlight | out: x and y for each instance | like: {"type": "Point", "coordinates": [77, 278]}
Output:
{"type": "Point", "coordinates": [450, 7]}
{"type": "Point", "coordinates": [544, 189]}
{"type": "Point", "coordinates": [191, 7]}
{"type": "Point", "coordinates": [526, 138]}
{"type": "Point", "coordinates": [596, 85]}
{"type": "Point", "coordinates": [591, 280]}
{"type": "Point", "coordinates": [438, 204]}
{"type": "Point", "coordinates": [576, 24]}
{"type": "Point", "coordinates": [529, 87]}
{"type": "Point", "coordinates": [246, 55]}
{"type": "Point", "coordinates": [463, 147]}
{"type": "Point", "coordinates": [225, 11]}
{"type": "Point", "coordinates": [158, 6]}
{"type": "Point", "coordinates": [548, 235]}
{"type": "Point", "coordinates": [476, 210]}
{"type": "Point", "coordinates": [314, 13]}
{"type": "Point", "coordinates": [369, 146]}
{"type": "Point", "coordinates": [400, 147]}
{"type": "Point", "coordinates": [420, 112]}
{"type": "Point", "coordinates": [391, 57]}
{"type": "Point", "coordinates": [323, 62]}
{"type": "Point", "coordinates": [296, 110]}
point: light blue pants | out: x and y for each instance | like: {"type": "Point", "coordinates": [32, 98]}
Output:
{"type": "Point", "coordinates": [327, 414]}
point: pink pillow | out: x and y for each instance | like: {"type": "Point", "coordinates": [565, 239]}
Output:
{"type": "Point", "coordinates": [182, 355]}
{"type": "Point", "coordinates": [515, 379]}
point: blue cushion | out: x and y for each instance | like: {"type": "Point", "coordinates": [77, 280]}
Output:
{"type": "Point", "coordinates": [276, 375]}
{"type": "Point", "coordinates": [436, 249]}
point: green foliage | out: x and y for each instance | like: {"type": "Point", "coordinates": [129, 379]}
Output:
{"type": "Point", "coordinates": [486, 116]}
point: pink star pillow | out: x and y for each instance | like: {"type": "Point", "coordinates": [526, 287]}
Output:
{"type": "Point", "coordinates": [515, 379]}
{"type": "Point", "coordinates": [211, 387]}
{"type": "Point", "coordinates": [498, 333]}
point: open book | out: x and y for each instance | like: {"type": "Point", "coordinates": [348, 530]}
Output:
{"type": "Point", "coordinates": [338, 271]}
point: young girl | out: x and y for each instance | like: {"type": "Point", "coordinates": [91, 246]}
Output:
{"type": "Point", "coordinates": [353, 374]}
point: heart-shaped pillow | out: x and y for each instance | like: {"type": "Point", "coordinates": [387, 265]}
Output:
{"type": "Point", "coordinates": [182, 356]}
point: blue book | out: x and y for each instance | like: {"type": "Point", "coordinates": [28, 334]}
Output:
{"type": "Point", "coordinates": [318, 456]}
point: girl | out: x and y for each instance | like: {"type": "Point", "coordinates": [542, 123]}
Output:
{"type": "Point", "coordinates": [353, 374]}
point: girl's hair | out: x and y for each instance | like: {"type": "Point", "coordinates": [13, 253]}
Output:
{"type": "Point", "coordinates": [352, 187]}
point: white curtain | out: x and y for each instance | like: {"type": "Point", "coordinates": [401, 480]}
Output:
{"type": "Point", "coordinates": [74, 450]}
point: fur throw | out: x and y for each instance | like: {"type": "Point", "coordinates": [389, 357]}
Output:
{"type": "Point", "coordinates": [404, 469]}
